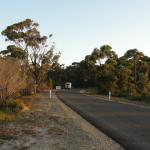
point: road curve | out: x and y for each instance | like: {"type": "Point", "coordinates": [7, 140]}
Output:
{"type": "Point", "coordinates": [126, 124]}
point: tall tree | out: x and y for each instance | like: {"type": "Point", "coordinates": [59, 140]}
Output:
{"type": "Point", "coordinates": [134, 56]}
{"type": "Point", "coordinates": [29, 43]}
{"type": "Point", "coordinates": [105, 52]}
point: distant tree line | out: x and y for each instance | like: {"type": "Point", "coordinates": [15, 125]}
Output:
{"type": "Point", "coordinates": [127, 76]}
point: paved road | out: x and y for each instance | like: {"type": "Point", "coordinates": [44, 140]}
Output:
{"type": "Point", "coordinates": [128, 125]}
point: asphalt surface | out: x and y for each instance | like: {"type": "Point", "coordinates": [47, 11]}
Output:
{"type": "Point", "coordinates": [126, 124]}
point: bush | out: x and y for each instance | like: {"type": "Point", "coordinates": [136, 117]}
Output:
{"type": "Point", "coordinates": [13, 106]}
{"type": "Point", "coordinates": [123, 94]}
{"type": "Point", "coordinates": [11, 79]}
{"type": "Point", "coordinates": [145, 97]}
{"type": "Point", "coordinates": [142, 97]}
{"type": "Point", "coordinates": [9, 113]}
{"type": "Point", "coordinates": [135, 98]}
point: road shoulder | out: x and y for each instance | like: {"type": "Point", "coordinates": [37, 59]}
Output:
{"type": "Point", "coordinates": [50, 124]}
{"type": "Point", "coordinates": [119, 100]}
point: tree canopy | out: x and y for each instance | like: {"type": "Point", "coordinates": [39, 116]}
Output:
{"type": "Point", "coordinates": [34, 50]}
{"type": "Point", "coordinates": [128, 75]}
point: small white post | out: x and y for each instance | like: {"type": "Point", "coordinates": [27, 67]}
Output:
{"type": "Point", "coordinates": [50, 94]}
{"type": "Point", "coordinates": [109, 95]}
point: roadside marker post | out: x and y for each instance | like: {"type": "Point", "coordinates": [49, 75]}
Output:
{"type": "Point", "coordinates": [109, 95]}
{"type": "Point", "coordinates": [50, 94]}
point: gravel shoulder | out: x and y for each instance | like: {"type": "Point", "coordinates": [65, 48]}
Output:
{"type": "Point", "coordinates": [51, 125]}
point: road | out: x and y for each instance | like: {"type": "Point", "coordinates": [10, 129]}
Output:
{"type": "Point", "coordinates": [126, 124]}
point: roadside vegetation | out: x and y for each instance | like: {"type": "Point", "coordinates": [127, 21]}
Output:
{"type": "Point", "coordinates": [127, 76]}
{"type": "Point", "coordinates": [24, 65]}
{"type": "Point", "coordinates": [30, 64]}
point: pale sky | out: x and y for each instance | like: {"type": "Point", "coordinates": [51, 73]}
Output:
{"type": "Point", "coordinates": [79, 26]}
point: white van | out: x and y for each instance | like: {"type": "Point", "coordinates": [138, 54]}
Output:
{"type": "Point", "coordinates": [68, 85]}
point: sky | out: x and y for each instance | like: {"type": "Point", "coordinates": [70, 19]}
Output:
{"type": "Point", "coordinates": [79, 26]}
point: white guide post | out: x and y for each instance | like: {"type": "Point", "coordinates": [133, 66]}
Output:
{"type": "Point", "coordinates": [109, 95]}
{"type": "Point", "coordinates": [50, 94]}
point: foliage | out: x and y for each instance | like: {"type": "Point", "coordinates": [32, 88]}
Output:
{"type": "Point", "coordinates": [11, 79]}
{"type": "Point", "coordinates": [127, 76]}
{"type": "Point", "coordinates": [34, 50]}
{"type": "Point", "coordinates": [9, 113]}
{"type": "Point", "coordinates": [35, 62]}
{"type": "Point", "coordinates": [13, 51]}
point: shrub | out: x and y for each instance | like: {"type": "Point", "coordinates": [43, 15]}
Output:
{"type": "Point", "coordinates": [9, 113]}
{"type": "Point", "coordinates": [145, 97]}
{"type": "Point", "coordinates": [13, 106]}
{"type": "Point", "coordinates": [142, 97]}
{"type": "Point", "coordinates": [11, 79]}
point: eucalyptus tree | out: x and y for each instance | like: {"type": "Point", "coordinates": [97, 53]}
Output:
{"type": "Point", "coordinates": [105, 52]}
{"type": "Point", "coordinates": [20, 34]}
{"type": "Point", "coordinates": [13, 51]}
{"type": "Point", "coordinates": [31, 46]}
{"type": "Point", "coordinates": [135, 57]}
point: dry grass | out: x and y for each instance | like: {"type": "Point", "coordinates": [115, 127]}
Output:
{"type": "Point", "coordinates": [11, 112]}
{"type": "Point", "coordinates": [7, 117]}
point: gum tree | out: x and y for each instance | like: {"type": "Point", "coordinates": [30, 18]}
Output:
{"type": "Point", "coordinates": [29, 45]}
